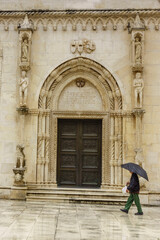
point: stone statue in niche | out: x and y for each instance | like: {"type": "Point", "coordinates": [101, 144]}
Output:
{"type": "Point", "coordinates": [25, 51]}
{"type": "Point", "coordinates": [23, 88]}
{"type": "Point", "coordinates": [138, 85]}
{"type": "Point", "coordinates": [138, 50]}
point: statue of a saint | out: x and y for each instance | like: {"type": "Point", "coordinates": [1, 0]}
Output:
{"type": "Point", "coordinates": [24, 51]}
{"type": "Point", "coordinates": [138, 51]}
{"type": "Point", "coordinates": [138, 84]}
{"type": "Point", "coordinates": [23, 85]}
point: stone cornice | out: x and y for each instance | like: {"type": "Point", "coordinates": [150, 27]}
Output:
{"type": "Point", "coordinates": [96, 18]}
{"type": "Point", "coordinates": [82, 12]}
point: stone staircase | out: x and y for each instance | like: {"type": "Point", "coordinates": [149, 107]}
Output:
{"type": "Point", "coordinates": [75, 195]}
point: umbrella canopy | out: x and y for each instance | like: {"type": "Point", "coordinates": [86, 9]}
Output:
{"type": "Point", "coordinates": [135, 168]}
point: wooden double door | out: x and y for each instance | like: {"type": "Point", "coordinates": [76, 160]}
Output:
{"type": "Point", "coordinates": [79, 152]}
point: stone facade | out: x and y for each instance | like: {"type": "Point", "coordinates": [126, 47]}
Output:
{"type": "Point", "coordinates": [80, 64]}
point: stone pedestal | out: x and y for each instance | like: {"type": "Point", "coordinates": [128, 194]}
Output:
{"type": "Point", "coordinates": [18, 193]}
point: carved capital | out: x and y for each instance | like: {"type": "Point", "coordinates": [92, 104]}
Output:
{"type": "Point", "coordinates": [138, 112]}
{"type": "Point", "coordinates": [23, 110]}
{"type": "Point", "coordinates": [19, 176]}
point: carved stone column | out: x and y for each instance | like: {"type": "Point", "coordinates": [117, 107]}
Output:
{"type": "Point", "coordinates": [25, 31]}
{"type": "Point", "coordinates": [137, 34]}
{"type": "Point", "coordinates": [112, 149]}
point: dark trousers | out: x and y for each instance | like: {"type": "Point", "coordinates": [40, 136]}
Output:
{"type": "Point", "coordinates": [133, 197]}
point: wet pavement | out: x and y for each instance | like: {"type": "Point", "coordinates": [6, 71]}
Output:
{"type": "Point", "coordinates": [61, 221]}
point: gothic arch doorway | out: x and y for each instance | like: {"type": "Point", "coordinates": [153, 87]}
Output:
{"type": "Point", "coordinates": [80, 89]}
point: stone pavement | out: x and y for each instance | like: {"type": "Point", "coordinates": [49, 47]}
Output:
{"type": "Point", "coordinates": [61, 221]}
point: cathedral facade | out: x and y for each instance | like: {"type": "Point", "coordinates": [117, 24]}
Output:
{"type": "Point", "coordinates": [79, 96]}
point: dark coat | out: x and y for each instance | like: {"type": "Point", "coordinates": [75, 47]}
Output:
{"type": "Point", "coordinates": [134, 184]}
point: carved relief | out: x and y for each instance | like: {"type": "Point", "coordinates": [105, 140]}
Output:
{"type": "Point", "coordinates": [80, 46]}
{"type": "Point", "coordinates": [80, 82]}
{"type": "Point", "coordinates": [138, 85]}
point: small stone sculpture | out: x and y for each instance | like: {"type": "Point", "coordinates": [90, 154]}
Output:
{"type": "Point", "coordinates": [24, 51]}
{"type": "Point", "coordinates": [138, 88]}
{"type": "Point", "coordinates": [138, 51]}
{"type": "Point", "coordinates": [23, 89]}
{"type": "Point", "coordinates": [19, 169]}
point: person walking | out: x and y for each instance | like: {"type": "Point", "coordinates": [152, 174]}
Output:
{"type": "Point", "coordinates": [133, 187]}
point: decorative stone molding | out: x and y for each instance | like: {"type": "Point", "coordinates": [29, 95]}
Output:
{"type": "Point", "coordinates": [23, 110]}
{"type": "Point", "coordinates": [100, 19]}
{"type": "Point", "coordinates": [80, 46]}
{"type": "Point", "coordinates": [138, 112]}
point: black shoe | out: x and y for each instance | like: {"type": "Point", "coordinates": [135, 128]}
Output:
{"type": "Point", "coordinates": [139, 213]}
{"type": "Point", "coordinates": [124, 210]}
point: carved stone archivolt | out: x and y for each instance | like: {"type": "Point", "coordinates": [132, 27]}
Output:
{"type": "Point", "coordinates": [73, 70]}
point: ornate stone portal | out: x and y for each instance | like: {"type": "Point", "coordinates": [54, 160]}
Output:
{"type": "Point", "coordinates": [99, 98]}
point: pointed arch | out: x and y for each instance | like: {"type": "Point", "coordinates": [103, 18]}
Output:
{"type": "Point", "coordinates": [88, 66]}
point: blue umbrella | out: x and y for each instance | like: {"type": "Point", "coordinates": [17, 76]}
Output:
{"type": "Point", "coordinates": [135, 168]}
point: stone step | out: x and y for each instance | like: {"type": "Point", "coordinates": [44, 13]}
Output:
{"type": "Point", "coordinates": [75, 195]}
{"type": "Point", "coordinates": [75, 199]}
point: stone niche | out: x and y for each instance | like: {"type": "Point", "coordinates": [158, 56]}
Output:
{"type": "Point", "coordinates": [80, 95]}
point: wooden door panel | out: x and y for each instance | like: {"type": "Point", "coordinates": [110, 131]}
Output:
{"type": "Point", "coordinates": [68, 177]}
{"type": "Point", "coordinates": [68, 145]}
{"type": "Point", "coordinates": [68, 161]}
{"type": "Point", "coordinates": [90, 178]}
{"type": "Point", "coordinates": [90, 145]}
{"type": "Point", "coordinates": [79, 153]}
{"type": "Point", "coordinates": [89, 161]}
